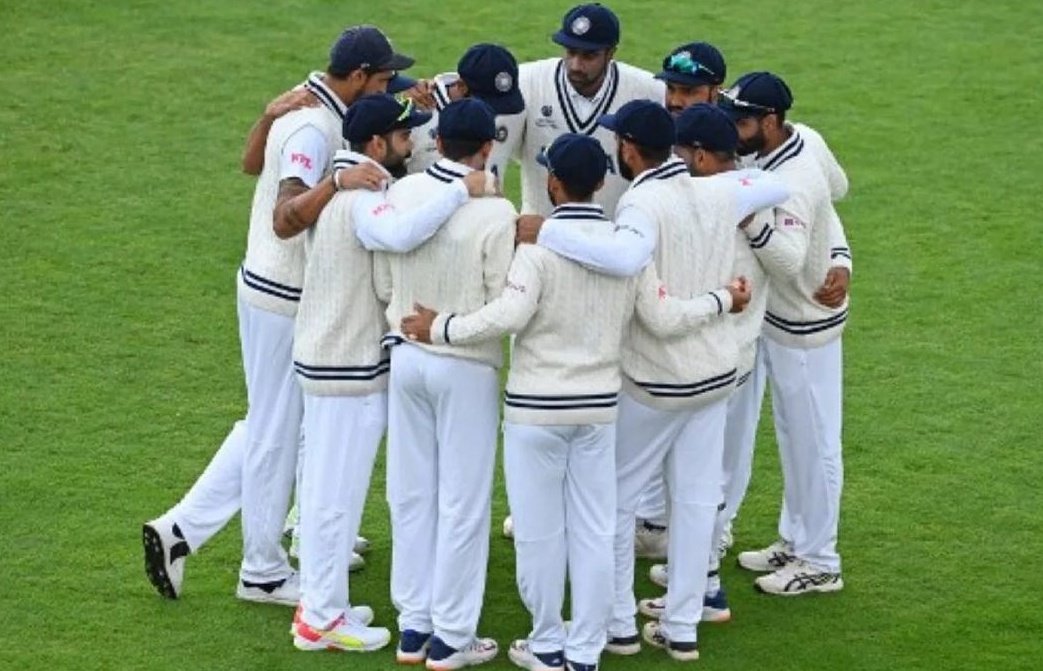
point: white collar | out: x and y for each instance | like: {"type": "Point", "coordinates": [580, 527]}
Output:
{"type": "Point", "coordinates": [325, 94]}
{"type": "Point", "coordinates": [345, 158]}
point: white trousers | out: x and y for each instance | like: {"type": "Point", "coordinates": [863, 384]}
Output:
{"type": "Point", "coordinates": [561, 486]}
{"type": "Point", "coordinates": [442, 425]}
{"type": "Point", "coordinates": [806, 394]}
{"type": "Point", "coordinates": [341, 434]}
{"type": "Point", "coordinates": [690, 444]}
{"type": "Point", "coordinates": [652, 506]}
{"type": "Point", "coordinates": [254, 468]}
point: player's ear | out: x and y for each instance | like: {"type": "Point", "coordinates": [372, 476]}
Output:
{"type": "Point", "coordinates": [438, 145]}
{"type": "Point", "coordinates": [486, 149]}
{"type": "Point", "coordinates": [610, 53]}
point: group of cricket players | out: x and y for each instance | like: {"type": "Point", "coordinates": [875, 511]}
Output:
{"type": "Point", "coordinates": [677, 250]}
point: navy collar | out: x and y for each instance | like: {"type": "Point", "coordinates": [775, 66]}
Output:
{"type": "Point", "coordinates": [445, 170]}
{"type": "Point", "coordinates": [585, 211]}
{"type": "Point", "coordinates": [673, 167]}
{"type": "Point", "coordinates": [325, 94]}
{"type": "Point", "coordinates": [564, 89]}
{"type": "Point", "coordinates": [789, 149]}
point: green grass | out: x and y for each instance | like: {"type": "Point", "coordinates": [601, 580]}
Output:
{"type": "Point", "coordinates": [124, 218]}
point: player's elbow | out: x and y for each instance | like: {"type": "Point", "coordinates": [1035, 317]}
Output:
{"type": "Point", "coordinates": [251, 166]}
{"type": "Point", "coordinates": [282, 224]}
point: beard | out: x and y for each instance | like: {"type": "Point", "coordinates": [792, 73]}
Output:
{"type": "Point", "coordinates": [753, 144]}
{"type": "Point", "coordinates": [624, 170]}
{"type": "Point", "coordinates": [395, 163]}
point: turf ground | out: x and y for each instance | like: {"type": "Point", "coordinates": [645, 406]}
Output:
{"type": "Point", "coordinates": [125, 215]}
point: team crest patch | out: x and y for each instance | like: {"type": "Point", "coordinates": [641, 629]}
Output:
{"type": "Point", "coordinates": [546, 110]}
{"type": "Point", "coordinates": [580, 25]}
{"type": "Point", "coordinates": [501, 134]}
{"type": "Point", "coordinates": [503, 82]}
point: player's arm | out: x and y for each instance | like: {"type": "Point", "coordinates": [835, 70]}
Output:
{"type": "Point", "coordinates": [753, 190]}
{"type": "Point", "coordinates": [668, 316]}
{"type": "Point", "coordinates": [498, 255]}
{"type": "Point", "coordinates": [253, 153]}
{"type": "Point", "coordinates": [622, 253]}
{"type": "Point", "coordinates": [833, 291]}
{"type": "Point", "coordinates": [380, 226]}
{"type": "Point", "coordinates": [779, 240]}
{"type": "Point", "coordinates": [509, 313]}
{"type": "Point", "coordinates": [382, 282]}
{"type": "Point", "coordinates": [835, 175]}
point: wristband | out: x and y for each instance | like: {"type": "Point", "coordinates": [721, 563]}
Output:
{"type": "Point", "coordinates": [336, 180]}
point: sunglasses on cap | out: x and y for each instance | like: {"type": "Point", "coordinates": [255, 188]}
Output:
{"type": "Point", "coordinates": [730, 100]}
{"type": "Point", "coordinates": [685, 65]}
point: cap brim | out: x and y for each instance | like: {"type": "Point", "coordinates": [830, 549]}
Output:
{"type": "Point", "coordinates": [415, 118]}
{"type": "Point", "coordinates": [396, 62]}
{"type": "Point", "coordinates": [683, 79]}
{"type": "Point", "coordinates": [608, 121]}
{"type": "Point", "coordinates": [736, 113]}
{"type": "Point", "coordinates": [511, 102]}
{"type": "Point", "coordinates": [572, 42]}
{"type": "Point", "coordinates": [542, 159]}
{"type": "Point", "coordinates": [400, 83]}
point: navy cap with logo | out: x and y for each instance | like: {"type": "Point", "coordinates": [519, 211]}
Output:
{"type": "Point", "coordinates": [591, 27]}
{"type": "Point", "coordinates": [400, 83]}
{"type": "Point", "coordinates": [467, 119]}
{"type": "Point", "coordinates": [694, 64]}
{"type": "Point", "coordinates": [643, 122]}
{"type": "Point", "coordinates": [365, 48]}
{"type": "Point", "coordinates": [756, 94]}
{"type": "Point", "coordinates": [707, 126]}
{"type": "Point", "coordinates": [491, 73]}
{"type": "Point", "coordinates": [378, 114]}
{"type": "Point", "coordinates": [577, 160]}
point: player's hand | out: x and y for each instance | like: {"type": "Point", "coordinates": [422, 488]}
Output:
{"type": "Point", "coordinates": [833, 291]}
{"type": "Point", "coordinates": [422, 94]}
{"type": "Point", "coordinates": [289, 101]}
{"type": "Point", "coordinates": [527, 229]}
{"type": "Point", "coordinates": [417, 326]}
{"type": "Point", "coordinates": [481, 183]}
{"type": "Point", "coordinates": [362, 176]}
{"type": "Point", "coordinates": [741, 291]}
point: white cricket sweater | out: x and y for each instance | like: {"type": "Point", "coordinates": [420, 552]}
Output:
{"type": "Point", "coordinates": [694, 255]}
{"type": "Point", "coordinates": [336, 341]}
{"type": "Point", "coordinates": [425, 149]}
{"type": "Point", "coordinates": [459, 269]}
{"type": "Point", "coordinates": [272, 273]}
{"type": "Point", "coordinates": [550, 112]}
{"type": "Point", "coordinates": [570, 322]}
{"type": "Point", "coordinates": [799, 249]}
{"type": "Point", "coordinates": [749, 322]}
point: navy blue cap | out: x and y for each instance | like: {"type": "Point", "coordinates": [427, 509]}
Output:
{"type": "Point", "coordinates": [491, 73]}
{"type": "Point", "coordinates": [643, 122]}
{"type": "Point", "coordinates": [590, 27]}
{"type": "Point", "coordinates": [365, 48]}
{"type": "Point", "coordinates": [577, 160]}
{"type": "Point", "coordinates": [708, 126]}
{"type": "Point", "coordinates": [378, 114]}
{"type": "Point", "coordinates": [756, 94]}
{"type": "Point", "coordinates": [400, 83]}
{"type": "Point", "coordinates": [694, 64]}
{"type": "Point", "coordinates": [467, 119]}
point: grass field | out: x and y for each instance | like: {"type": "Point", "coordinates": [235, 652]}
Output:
{"type": "Point", "coordinates": [125, 215]}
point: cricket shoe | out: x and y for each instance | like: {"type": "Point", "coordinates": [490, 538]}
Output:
{"type": "Point", "coordinates": [412, 647]}
{"type": "Point", "coordinates": [725, 543]}
{"type": "Point", "coordinates": [651, 541]}
{"type": "Point", "coordinates": [771, 558]}
{"type": "Point", "coordinates": [623, 645]}
{"type": "Point", "coordinates": [165, 551]}
{"type": "Point", "coordinates": [681, 651]}
{"type": "Point", "coordinates": [659, 574]}
{"type": "Point", "coordinates": [344, 634]}
{"type": "Point", "coordinates": [356, 563]}
{"type": "Point", "coordinates": [715, 607]}
{"type": "Point", "coordinates": [361, 614]}
{"type": "Point", "coordinates": [508, 527]}
{"type": "Point", "coordinates": [361, 545]}
{"type": "Point", "coordinates": [441, 657]}
{"type": "Point", "coordinates": [285, 592]}
{"type": "Point", "coordinates": [798, 577]}
{"type": "Point", "coordinates": [580, 666]}
{"type": "Point", "coordinates": [522, 655]}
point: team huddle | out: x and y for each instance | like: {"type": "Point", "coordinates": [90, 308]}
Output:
{"type": "Point", "coordinates": [677, 250]}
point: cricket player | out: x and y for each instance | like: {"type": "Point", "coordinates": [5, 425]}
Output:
{"type": "Point", "coordinates": [488, 72]}
{"type": "Point", "coordinates": [801, 344]}
{"type": "Point", "coordinates": [443, 412]}
{"type": "Point", "coordinates": [560, 407]}
{"type": "Point", "coordinates": [693, 74]}
{"type": "Point", "coordinates": [569, 94]}
{"type": "Point", "coordinates": [254, 468]}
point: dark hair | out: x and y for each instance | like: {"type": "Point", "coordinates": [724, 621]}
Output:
{"type": "Point", "coordinates": [358, 147]}
{"type": "Point", "coordinates": [455, 150]}
{"type": "Point", "coordinates": [653, 155]}
{"type": "Point", "coordinates": [575, 193]}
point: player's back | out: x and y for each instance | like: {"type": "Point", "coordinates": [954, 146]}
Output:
{"type": "Point", "coordinates": [460, 268]}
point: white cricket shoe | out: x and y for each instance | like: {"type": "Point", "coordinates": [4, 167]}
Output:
{"type": "Point", "coordinates": [522, 655]}
{"type": "Point", "coordinates": [356, 563]}
{"type": "Point", "coordinates": [651, 541]}
{"type": "Point", "coordinates": [440, 657]}
{"type": "Point", "coordinates": [361, 545]}
{"type": "Point", "coordinates": [715, 607]}
{"type": "Point", "coordinates": [771, 558]}
{"type": "Point", "coordinates": [726, 542]}
{"type": "Point", "coordinates": [659, 575]}
{"type": "Point", "coordinates": [798, 577]}
{"type": "Point", "coordinates": [361, 614]}
{"type": "Point", "coordinates": [345, 634]}
{"type": "Point", "coordinates": [681, 651]}
{"type": "Point", "coordinates": [508, 527]}
{"type": "Point", "coordinates": [165, 551]}
{"type": "Point", "coordinates": [623, 645]}
{"type": "Point", "coordinates": [285, 592]}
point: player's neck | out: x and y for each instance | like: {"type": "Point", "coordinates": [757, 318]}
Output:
{"type": "Point", "coordinates": [775, 141]}
{"type": "Point", "coordinates": [591, 89]}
